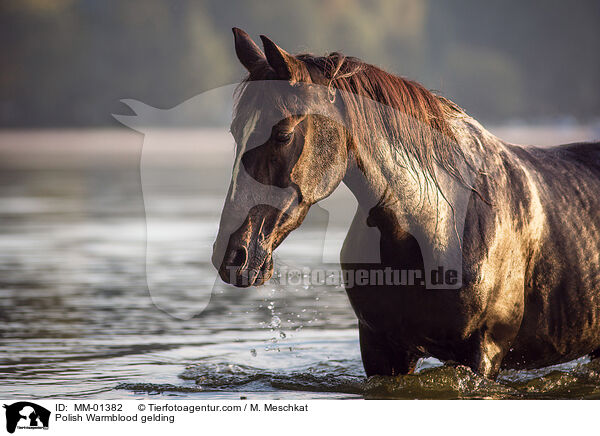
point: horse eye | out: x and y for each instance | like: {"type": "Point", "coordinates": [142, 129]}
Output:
{"type": "Point", "coordinates": [283, 136]}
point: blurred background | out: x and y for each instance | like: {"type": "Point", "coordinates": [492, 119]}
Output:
{"type": "Point", "coordinates": [69, 62]}
{"type": "Point", "coordinates": [77, 317]}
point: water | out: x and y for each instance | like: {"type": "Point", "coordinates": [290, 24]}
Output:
{"type": "Point", "coordinates": [78, 321]}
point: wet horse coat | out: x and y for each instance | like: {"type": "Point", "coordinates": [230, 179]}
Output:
{"type": "Point", "coordinates": [527, 232]}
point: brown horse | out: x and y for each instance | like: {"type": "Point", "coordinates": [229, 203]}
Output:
{"type": "Point", "coordinates": [506, 238]}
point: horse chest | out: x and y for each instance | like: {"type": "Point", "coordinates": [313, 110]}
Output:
{"type": "Point", "coordinates": [401, 309]}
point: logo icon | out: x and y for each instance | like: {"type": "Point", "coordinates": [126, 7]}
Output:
{"type": "Point", "coordinates": [26, 415]}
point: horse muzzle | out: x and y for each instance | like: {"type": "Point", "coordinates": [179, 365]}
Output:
{"type": "Point", "coordinates": [244, 256]}
{"type": "Point", "coordinates": [243, 266]}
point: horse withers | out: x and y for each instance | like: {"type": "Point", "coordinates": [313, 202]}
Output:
{"type": "Point", "coordinates": [507, 238]}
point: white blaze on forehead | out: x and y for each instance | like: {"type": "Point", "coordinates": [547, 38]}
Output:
{"type": "Point", "coordinates": [246, 132]}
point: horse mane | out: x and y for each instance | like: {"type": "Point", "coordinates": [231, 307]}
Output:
{"type": "Point", "coordinates": [413, 119]}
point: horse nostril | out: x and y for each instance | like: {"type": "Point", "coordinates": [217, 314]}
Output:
{"type": "Point", "coordinates": [239, 258]}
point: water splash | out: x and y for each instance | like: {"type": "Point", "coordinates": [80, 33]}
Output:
{"type": "Point", "coordinates": [346, 377]}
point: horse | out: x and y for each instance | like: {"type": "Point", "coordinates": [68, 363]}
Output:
{"type": "Point", "coordinates": [521, 222]}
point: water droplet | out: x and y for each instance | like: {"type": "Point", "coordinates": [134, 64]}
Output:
{"type": "Point", "coordinates": [275, 322]}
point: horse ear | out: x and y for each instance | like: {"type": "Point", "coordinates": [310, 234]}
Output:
{"type": "Point", "coordinates": [284, 64]}
{"type": "Point", "coordinates": [246, 50]}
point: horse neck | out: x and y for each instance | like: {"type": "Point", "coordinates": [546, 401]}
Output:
{"type": "Point", "coordinates": [382, 178]}
{"type": "Point", "coordinates": [381, 183]}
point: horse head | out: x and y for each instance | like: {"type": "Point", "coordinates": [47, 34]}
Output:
{"type": "Point", "coordinates": [289, 156]}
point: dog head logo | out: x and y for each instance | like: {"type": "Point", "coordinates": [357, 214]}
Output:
{"type": "Point", "coordinates": [26, 415]}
